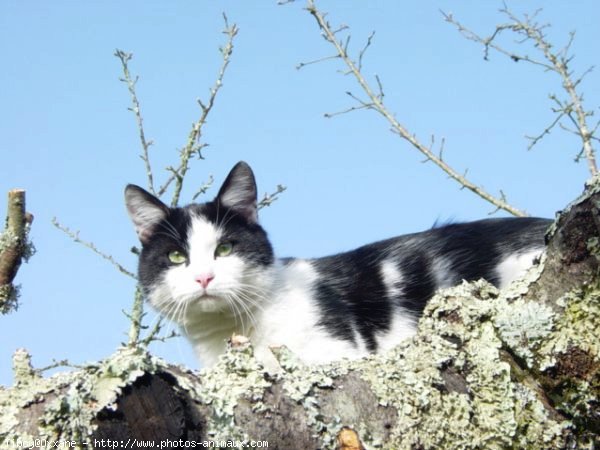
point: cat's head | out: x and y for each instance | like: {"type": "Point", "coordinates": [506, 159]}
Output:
{"type": "Point", "coordinates": [204, 257]}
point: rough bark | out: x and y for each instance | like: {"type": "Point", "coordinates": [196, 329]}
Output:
{"type": "Point", "coordinates": [488, 369]}
{"type": "Point", "coordinates": [13, 247]}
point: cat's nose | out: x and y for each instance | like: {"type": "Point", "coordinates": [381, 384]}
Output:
{"type": "Point", "coordinates": [204, 279]}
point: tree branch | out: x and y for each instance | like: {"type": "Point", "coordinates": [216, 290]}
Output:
{"type": "Point", "coordinates": [516, 368]}
{"type": "Point", "coordinates": [14, 247]}
{"type": "Point", "coordinates": [192, 146]}
{"type": "Point", "coordinates": [74, 235]}
{"type": "Point", "coordinates": [556, 62]}
{"type": "Point", "coordinates": [125, 57]}
{"type": "Point", "coordinates": [376, 104]}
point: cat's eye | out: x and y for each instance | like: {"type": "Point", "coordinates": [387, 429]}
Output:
{"type": "Point", "coordinates": [177, 257]}
{"type": "Point", "coordinates": [224, 249]}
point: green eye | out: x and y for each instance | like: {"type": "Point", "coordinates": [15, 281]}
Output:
{"type": "Point", "coordinates": [177, 257]}
{"type": "Point", "coordinates": [224, 249]}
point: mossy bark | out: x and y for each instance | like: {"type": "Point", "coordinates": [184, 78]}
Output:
{"type": "Point", "coordinates": [14, 247]}
{"type": "Point", "coordinates": [518, 368]}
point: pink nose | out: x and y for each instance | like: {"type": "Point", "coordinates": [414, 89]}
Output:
{"type": "Point", "coordinates": [204, 279]}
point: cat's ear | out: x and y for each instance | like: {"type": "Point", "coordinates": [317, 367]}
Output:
{"type": "Point", "coordinates": [145, 211]}
{"type": "Point", "coordinates": [239, 192]}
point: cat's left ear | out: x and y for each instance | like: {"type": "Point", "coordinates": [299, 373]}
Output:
{"type": "Point", "coordinates": [239, 192]}
{"type": "Point", "coordinates": [145, 210]}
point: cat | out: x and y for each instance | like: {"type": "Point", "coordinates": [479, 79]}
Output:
{"type": "Point", "coordinates": [211, 268]}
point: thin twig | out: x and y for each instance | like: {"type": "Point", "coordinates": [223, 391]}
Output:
{"type": "Point", "coordinates": [345, 111]}
{"type": "Point", "coordinates": [154, 332]}
{"type": "Point", "coordinates": [364, 50]}
{"type": "Point", "coordinates": [204, 187]}
{"type": "Point", "coordinates": [136, 316]}
{"type": "Point", "coordinates": [535, 139]}
{"type": "Point", "coordinates": [397, 127]}
{"type": "Point", "coordinates": [315, 61]}
{"type": "Point", "coordinates": [75, 236]}
{"type": "Point", "coordinates": [192, 146]}
{"type": "Point", "coordinates": [125, 57]}
{"type": "Point", "coordinates": [57, 363]}
{"type": "Point", "coordinates": [268, 199]}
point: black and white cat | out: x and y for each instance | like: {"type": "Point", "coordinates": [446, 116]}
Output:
{"type": "Point", "coordinates": [210, 267]}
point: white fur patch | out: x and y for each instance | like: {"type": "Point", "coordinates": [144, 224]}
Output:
{"type": "Point", "coordinates": [203, 238]}
{"type": "Point", "coordinates": [392, 278]}
{"type": "Point", "coordinates": [515, 266]}
{"type": "Point", "coordinates": [292, 318]}
{"type": "Point", "coordinates": [404, 325]}
{"type": "Point", "coordinates": [442, 273]}
{"type": "Point", "coordinates": [228, 304]}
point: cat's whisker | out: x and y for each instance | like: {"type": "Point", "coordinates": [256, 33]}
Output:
{"type": "Point", "coordinates": [224, 221]}
{"type": "Point", "coordinates": [250, 303]}
{"type": "Point", "coordinates": [170, 231]}
{"type": "Point", "coordinates": [247, 313]}
{"type": "Point", "coordinates": [235, 310]}
{"type": "Point", "coordinates": [174, 232]}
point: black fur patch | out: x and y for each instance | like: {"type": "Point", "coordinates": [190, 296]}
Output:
{"type": "Point", "coordinates": [353, 297]}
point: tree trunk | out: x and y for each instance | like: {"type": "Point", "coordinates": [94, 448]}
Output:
{"type": "Point", "coordinates": [517, 368]}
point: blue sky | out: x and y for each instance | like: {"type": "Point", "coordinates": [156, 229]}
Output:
{"type": "Point", "coordinates": [67, 138]}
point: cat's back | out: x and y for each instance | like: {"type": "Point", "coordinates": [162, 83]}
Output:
{"type": "Point", "coordinates": [381, 288]}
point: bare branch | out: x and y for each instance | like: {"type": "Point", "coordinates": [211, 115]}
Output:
{"type": "Point", "coordinates": [547, 130]}
{"type": "Point", "coordinates": [125, 57]}
{"type": "Point", "coordinates": [204, 187]}
{"type": "Point", "coordinates": [14, 248]}
{"type": "Point", "coordinates": [192, 146]}
{"type": "Point", "coordinates": [315, 61]}
{"type": "Point", "coordinates": [55, 364]}
{"type": "Point", "coordinates": [364, 49]}
{"type": "Point", "coordinates": [268, 199]}
{"type": "Point", "coordinates": [136, 316]}
{"type": "Point", "coordinates": [556, 62]}
{"type": "Point", "coordinates": [378, 105]}
{"type": "Point", "coordinates": [74, 235]}
{"type": "Point", "coordinates": [345, 111]}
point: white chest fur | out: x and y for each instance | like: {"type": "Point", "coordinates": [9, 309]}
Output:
{"type": "Point", "coordinates": [289, 317]}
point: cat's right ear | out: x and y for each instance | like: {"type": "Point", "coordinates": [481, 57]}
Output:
{"type": "Point", "coordinates": [145, 211]}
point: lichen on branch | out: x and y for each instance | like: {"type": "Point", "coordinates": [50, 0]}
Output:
{"type": "Point", "coordinates": [14, 248]}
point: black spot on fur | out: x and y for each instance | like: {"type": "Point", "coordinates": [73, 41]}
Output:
{"type": "Point", "coordinates": [352, 296]}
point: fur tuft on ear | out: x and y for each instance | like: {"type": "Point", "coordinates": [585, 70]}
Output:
{"type": "Point", "coordinates": [145, 211]}
{"type": "Point", "coordinates": [238, 192]}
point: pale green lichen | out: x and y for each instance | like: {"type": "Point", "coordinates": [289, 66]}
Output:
{"type": "Point", "coordinates": [9, 293]}
{"type": "Point", "coordinates": [9, 298]}
{"type": "Point", "coordinates": [79, 395]}
{"type": "Point", "coordinates": [523, 325]}
{"type": "Point", "coordinates": [302, 384]}
{"type": "Point", "coordinates": [486, 408]}
{"type": "Point", "coordinates": [578, 326]}
{"type": "Point", "coordinates": [576, 332]}
{"type": "Point", "coordinates": [535, 427]}
{"type": "Point", "coordinates": [237, 375]}
{"type": "Point", "coordinates": [593, 246]}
